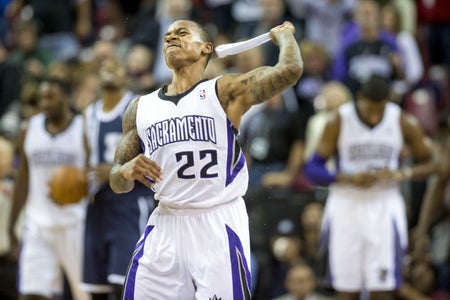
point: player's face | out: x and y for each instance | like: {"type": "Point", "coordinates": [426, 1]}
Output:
{"type": "Point", "coordinates": [182, 44]}
{"type": "Point", "coordinates": [371, 112]}
{"type": "Point", "coordinates": [112, 74]}
{"type": "Point", "coordinates": [52, 100]}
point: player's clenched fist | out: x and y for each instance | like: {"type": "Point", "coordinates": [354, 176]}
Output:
{"type": "Point", "coordinates": [140, 168]}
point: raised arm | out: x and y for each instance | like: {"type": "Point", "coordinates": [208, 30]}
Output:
{"type": "Point", "coordinates": [238, 92]}
{"type": "Point", "coordinates": [129, 163]}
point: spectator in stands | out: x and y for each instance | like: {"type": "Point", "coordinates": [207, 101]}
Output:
{"type": "Point", "coordinates": [366, 50]}
{"type": "Point", "coordinates": [150, 31]}
{"type": "Point", "coordinates": [272, 12]}
{"type": "Point", "coordinates": [273, 140]}
{"type": "Point", "coordinates": [300, 283]}
{"type": "Point", "coordinates": [62, 24]}
{"type": "Point", "coordinates": [9, 86]}
{"type": "Point", "coordinates": [421, 282]}
{"type": "Point", "coordinates": [286, 251]}
{"type": "Point", "coordinates": [408, 49]}
{"type": "Point", "coordinates": [324, 20]}
{"type": "Point", "coordinates": [27, 55]}
{"type": "Point", "coordinates": [103, 50]}
{"type": "Point", "coordinates": [139, 65]}
{"type": "Point", "coordinates": [434, 19]}
{"type": "Point", "coordinates": [310, 223]}
{"type": "Point", "coordinates": [331, 96]}
{"type": "Point", "coordinates": [86, 91]}
{"type": "Point", "coordinates": [316, 74]}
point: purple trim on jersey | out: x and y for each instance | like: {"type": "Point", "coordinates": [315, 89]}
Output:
{"type": "Point", "coordinates": [141, 142]}
{"type": "Point", "coordinates": [351, 35]}
{"type": "Point", "coordinates": [399, 254]}
{"type": "Point", "coordinates": [130, 282]}
{"type": "Point", "coordinates": [233, 166]}
{"type": "Point", "coordinates": [239, 267]}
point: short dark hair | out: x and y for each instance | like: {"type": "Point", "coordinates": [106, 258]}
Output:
{"type": "Point", "coordinates": [376, 88]}
{"type": "Point", "coordinates": [205, 36]}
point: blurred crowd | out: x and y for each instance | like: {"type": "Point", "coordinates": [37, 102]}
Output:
{"type": "Point", "coordinates": [69, 40]}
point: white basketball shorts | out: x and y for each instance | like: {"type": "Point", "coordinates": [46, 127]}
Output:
{"type": "Point", "coordinates": [45, 253]}
{"type": "Point", "coordinates": [366, 235]}
{"type": "Point", "coordinates": [197, 254]}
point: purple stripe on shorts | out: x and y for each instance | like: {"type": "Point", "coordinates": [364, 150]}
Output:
{"type": "Point", "coordinates": [239, 267]}
{"type": "Point", "coordinates": [324, 248]}
{"type": "Point", "coordinates": [130, 282]}
{"type": "Point", "coordinates": [399, 254]}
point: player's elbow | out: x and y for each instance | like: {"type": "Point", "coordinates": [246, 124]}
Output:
{"type": "Point", "coordinates": [118, 184]}
{"type": "Point", "coordinates": [115, 188]}
{"type": "Point", "coordinates": [316, 172]}
{"type": "Point", "coordinates": [120, 188]}
{"type": "Point", "coordinates": [293, 72]}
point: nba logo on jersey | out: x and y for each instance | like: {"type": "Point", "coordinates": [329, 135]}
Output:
{"type": "Point", "coordinates": [202, 94]}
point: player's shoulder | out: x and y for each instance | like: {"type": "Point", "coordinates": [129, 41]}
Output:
{"type": "Point", "coordinates": [346, 107]}
{"type": "Point", "coordinates": [226, 80]}
{"type": "Point", "coordinates": [408, 121]}
{"type": "Point", "coordinates": [35, 120]}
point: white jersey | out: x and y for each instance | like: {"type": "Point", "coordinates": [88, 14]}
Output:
{"type": "Point", "coordinates": [362, 148]}
{"type": "Point", "coordinates": [190, 137]}
{"type": "Point", "coordinates": [45, 153]}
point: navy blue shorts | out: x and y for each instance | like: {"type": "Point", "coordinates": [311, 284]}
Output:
{"type": "Point", "coordinates": [114, 223]}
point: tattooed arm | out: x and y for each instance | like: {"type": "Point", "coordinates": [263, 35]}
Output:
{"type": "Point", "coordinates": [238, 92]}
{"type": "Point", "coordinates": [129, 163]}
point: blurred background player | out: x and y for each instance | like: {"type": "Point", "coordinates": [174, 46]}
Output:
{"type": "Point", "coordinates": [364, 224]}
{"type": "Point", "coordinates": [52, 239]}
{"type": "Point", "coordinates": [114, 222]}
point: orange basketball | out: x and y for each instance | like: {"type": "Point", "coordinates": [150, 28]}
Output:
{"type": "Point", "coordinates": [68, 185]}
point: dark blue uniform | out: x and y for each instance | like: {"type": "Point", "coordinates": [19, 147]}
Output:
{"type": "Point", "coordinates": [114, 222]}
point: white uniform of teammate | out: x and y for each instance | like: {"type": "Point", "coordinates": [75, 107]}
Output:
{"type": "Point", "coordinates": [366, 227]}
{"type": "Point", "coordinates": [196, 243]}
{"type": "Point", "coordinates": [53, 234]}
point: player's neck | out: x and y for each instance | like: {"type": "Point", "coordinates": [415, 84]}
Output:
{"type": "Point", "coordinates": [58, 124]}
{"type": "Point", "coordinates": [369, 112]}
{"type": "Point", "coordinates": [111, 97]}
{"type": "Point", "coordinates": [183, 80]}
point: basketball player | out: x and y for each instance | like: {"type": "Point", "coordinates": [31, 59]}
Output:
{"type": "Point", "coordinates": [365, 219]}
{"type": "Point", "coordinates": [180, 141]}
{"type": "Point", "coordinates": [52, 241]}
{"type": "Point", "coordinates": [114, 222]}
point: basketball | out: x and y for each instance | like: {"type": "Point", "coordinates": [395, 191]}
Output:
{"type": "Point", "coordinates": [68, 185]}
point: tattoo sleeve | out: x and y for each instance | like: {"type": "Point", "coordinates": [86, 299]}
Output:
{"type": "Point", "coordinates": [129, 145]}
{"type": "Point", "coordinates": [266, 82]}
